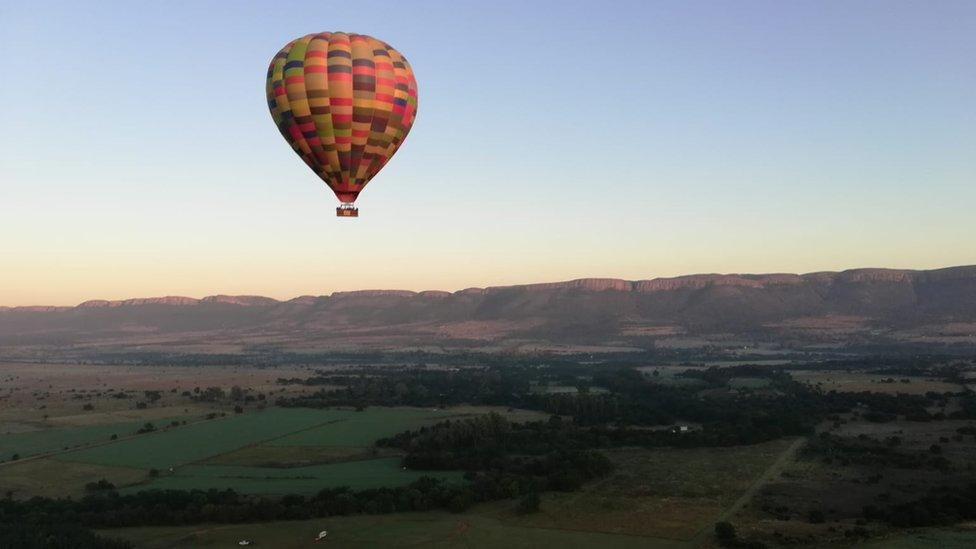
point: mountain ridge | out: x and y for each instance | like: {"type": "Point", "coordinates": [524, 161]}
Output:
{"type": "Point", "coordinates": [846, 309]}
{"type": "Point", "coordinates": [693, 281]}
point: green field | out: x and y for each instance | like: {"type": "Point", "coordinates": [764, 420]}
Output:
{"type": "Point", "coordinates": [275, 451]}
{"type": "Point", "coordinates": [373, 473]}
{"type": "Point", "coordinates": [56, 439]}
{"type": "Point", "coordinates": [162, 450]}
{"type": "Point", "coordinates": [656, 498]}
{"type": "Point", "coordinates": [364, 428]}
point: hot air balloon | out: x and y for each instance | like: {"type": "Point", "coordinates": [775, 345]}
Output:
{"type": "Point", "coordinates": [344, 102]}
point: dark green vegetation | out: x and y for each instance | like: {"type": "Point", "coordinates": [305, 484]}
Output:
{"type": "Point", "coordinates": [47, 536]}
{"type": "Point", "coordinates": [891, 460]}
{"type": "Point", "coordinates": [728, 416]}
{"type": "Point", "coordinates": [175, 507]}
{"type": "Point", "coordinates": [361, 440]}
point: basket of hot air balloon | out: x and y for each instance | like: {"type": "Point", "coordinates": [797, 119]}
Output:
{"type": "Point", "coordinates": [344, 102]}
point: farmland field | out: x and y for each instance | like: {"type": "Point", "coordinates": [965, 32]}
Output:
{"type": "Point", "coordinates": [202, 440]}
{"type": "Point", "coordinates": [363, 428]}
{"type": "Point", "coordinates": [277, 451]}
{"type": "Point", "coordinates": [59, 438]}
{"type": "Point", "coordinates": [294, 456]}
{"type": "Point", "coordinates": [373, 473]}
{"type": "Point", "coordinates": [271, 451]}
{"type": "Point", "coordinates": [435, 529]}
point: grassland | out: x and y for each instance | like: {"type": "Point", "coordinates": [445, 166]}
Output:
{"type": "Point", "coordinates": [749, 382]}
{"type": "Point", "coordinates": [52, 478]}
{"type": "Point", "coordinates": [942, 538]}
{"type": "Point", "coordinates": [658, 498]}
{"type": "Point", "coordinates": [853, 382]}
{"type": "Point", "coordinates": [471, 530]}
{"type": "Point", "coordinates": [661, 493]}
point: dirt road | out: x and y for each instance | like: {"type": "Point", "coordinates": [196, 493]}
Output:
{"type": "Point", "coordinates": [772, 473]}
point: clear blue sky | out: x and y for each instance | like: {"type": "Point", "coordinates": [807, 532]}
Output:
{"type": "Point", "coordinates": [554, 140]}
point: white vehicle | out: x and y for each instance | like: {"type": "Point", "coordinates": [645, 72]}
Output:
{"type": "Point", "coordinates": [244, 542]}
{"type": "Point", "coordinates": [322, 535]}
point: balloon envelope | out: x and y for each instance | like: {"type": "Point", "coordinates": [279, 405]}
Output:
{"type": "Point", "coordinates": [344, 102]}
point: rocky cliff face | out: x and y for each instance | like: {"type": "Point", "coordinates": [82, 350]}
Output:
{"type": "Point", "coordinates": [881, 299]}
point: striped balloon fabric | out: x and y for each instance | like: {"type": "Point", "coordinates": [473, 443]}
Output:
{"type": "Point", "coordinates": [345, 102]}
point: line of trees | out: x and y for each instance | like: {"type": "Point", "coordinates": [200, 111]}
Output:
{"type": "Point", "coordinates": [48, 536]}
{"type": "Point", "coordinates": [942, 505]}
{"type": "Point", "coordinates": [183, 507]}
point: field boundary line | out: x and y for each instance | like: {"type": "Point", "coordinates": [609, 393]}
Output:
{"type": "Point", "coordinates": [260, 442]}
{"type": "Point", "coordinates": [107, 443]}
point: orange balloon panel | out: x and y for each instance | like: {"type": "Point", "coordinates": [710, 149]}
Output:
{"type": "Point", "coordinates": [344, 102]}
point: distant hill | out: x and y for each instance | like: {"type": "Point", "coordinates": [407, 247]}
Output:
{"type": "Point", "coordinates": [936, 307]}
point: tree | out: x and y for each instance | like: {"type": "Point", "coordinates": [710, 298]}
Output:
{"type": "Point", "coordinates": [529, 504]}
{"type": "Point", "coordinates": [461, 502]}
{"type": "Point", "coordinates": [725, 532]}
{"type": "Point", "coordinates": [100, 486]}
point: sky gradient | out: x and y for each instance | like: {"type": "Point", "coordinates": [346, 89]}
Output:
{"type": "Point", "coordinates": [554, 140]}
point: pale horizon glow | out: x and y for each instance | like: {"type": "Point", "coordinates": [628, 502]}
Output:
{"type": "Point", "coordinates": [554, 141]}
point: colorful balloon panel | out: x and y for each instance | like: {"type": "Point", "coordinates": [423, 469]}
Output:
{"type": "Point", "coordinates": [344, 102]}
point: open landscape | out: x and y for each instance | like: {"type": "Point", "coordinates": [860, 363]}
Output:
{"type": "Point", "coordinates": [631, 274]}
{"type": "Point", "coordinates": [295, 430]}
